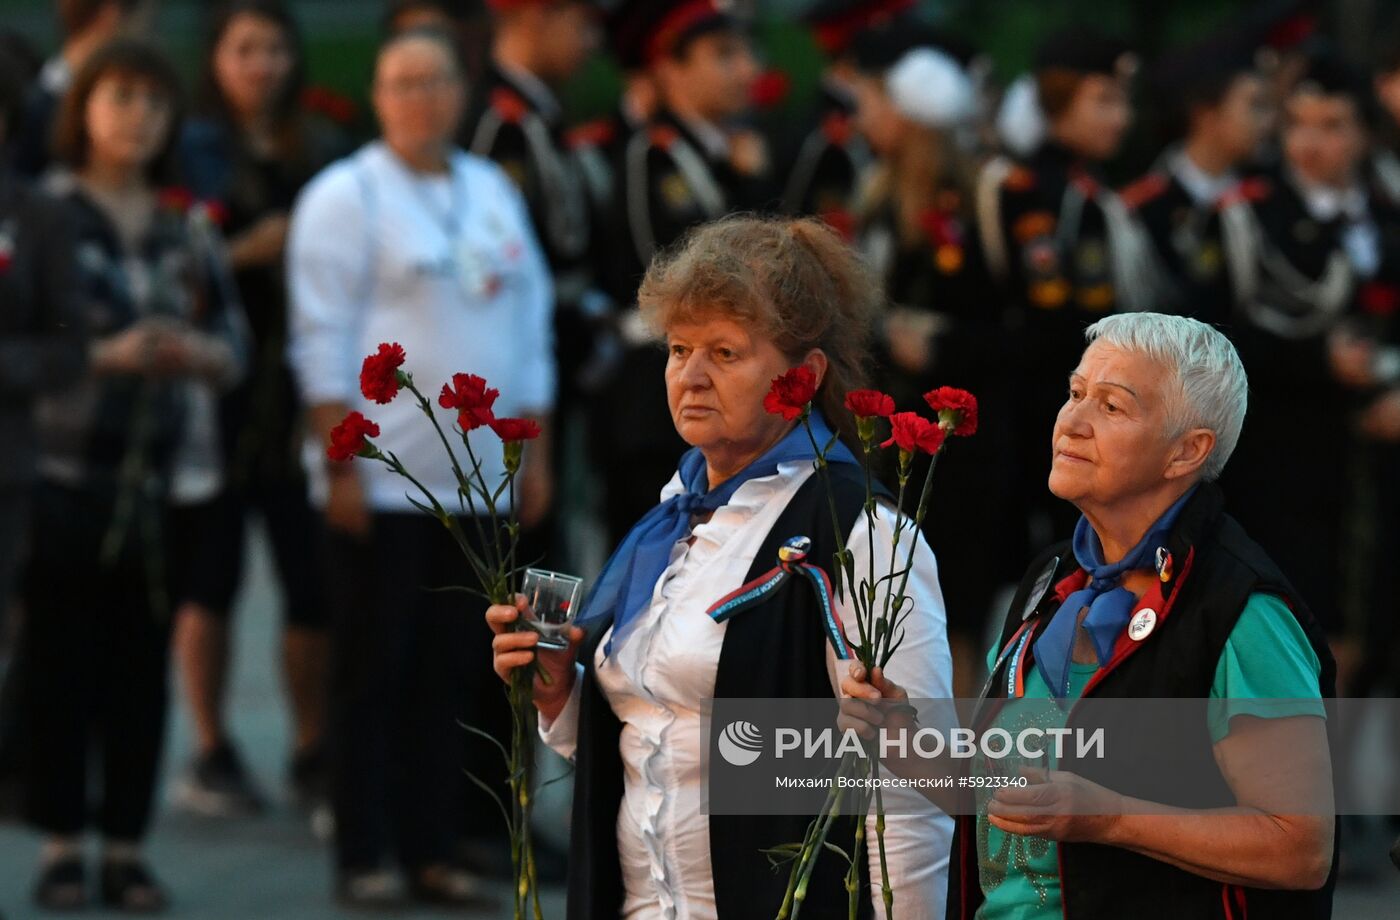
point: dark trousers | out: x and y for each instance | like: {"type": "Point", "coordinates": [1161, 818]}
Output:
{"type": "Point", "coordinates": [14, 532]}
{"type": "Point", "coordinates": [408, 665]}
{"type": "Point", "coordinates": [96, 653]}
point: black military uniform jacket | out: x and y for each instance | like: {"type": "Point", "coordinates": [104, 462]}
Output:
{"type": "Point", "coordinates": [829, 163]}
{"type": "Point", "coordinates": [1186, 256]}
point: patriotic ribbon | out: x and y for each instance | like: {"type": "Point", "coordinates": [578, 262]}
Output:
{"type": "Point", "coordinates": [792, 562]}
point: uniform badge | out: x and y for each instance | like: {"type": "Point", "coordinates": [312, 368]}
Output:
{"type": "Point", "coordinates": [1049, 295]}
{"type": "Point", "coordinates": [1095, 296]}
{"type": "Point", "coordinates": [1032, 225]}
{"type": "Point", "coordinates": [1164, 564]}
{"type": "Point", "coordinates": [948, 258]}
{"type": "Point", "coordinates": [1042, 258]}
{"type": "Point", "coordinates": [1091, 258]}
{"type": "Point", "coordinates": [516, 170]}
{"type": "Point", "coordinates": [1207, 261]}
{"type": "Point", "coordinates": [676, 193]}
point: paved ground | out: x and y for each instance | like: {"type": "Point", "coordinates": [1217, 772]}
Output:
{"type": "Point", "coordinates": [273, 868]}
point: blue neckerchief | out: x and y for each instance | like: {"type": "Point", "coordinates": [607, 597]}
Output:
{"type": "Point", "coordinates": [625, 585]}
{"type": "Point", "coordinates": [1110, 604]}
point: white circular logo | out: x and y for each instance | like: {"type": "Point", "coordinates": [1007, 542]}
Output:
{"type": "Point", "coordinates": [740, 743]}
{"type": "Point", "coordinates": [1142, 624]}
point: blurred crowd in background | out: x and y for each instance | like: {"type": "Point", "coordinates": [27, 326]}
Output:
{"type": "Point", "coordinates": [193, 265]}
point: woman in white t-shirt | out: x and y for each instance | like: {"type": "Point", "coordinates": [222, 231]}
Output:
{"type": "Point", "coordinates": [411, 240]}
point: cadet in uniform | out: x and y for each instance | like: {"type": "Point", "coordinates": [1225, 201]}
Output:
{"type": "Point", "coordinates": [681, 170]}
{"type": "Point", "coordinates": [829, 160]}
{"type": "Point", "coordinates": [1060, 243]}
{"type": "Point", "coordinates": [1315, 270]}
{"type": "Point", "coordinates": [1221, 101]}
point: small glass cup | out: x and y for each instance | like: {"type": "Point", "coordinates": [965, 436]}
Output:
{"type": "Point", "coordinates": [551, 600]}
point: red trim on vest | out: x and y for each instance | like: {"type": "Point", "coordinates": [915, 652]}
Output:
{"type": "Point", "coordinates": [663, 136]}
{"type": "Point", "coordinates": [1139, 193]}
{"type": "Point", "coordinates": [508, 104]}
{"type": "Point", "coordinates": [1250, 190]}
{"type": "Point", "coordinates": [596, 133]}
{"type": "Point", "coordinates": [1125, 647]}
{"type": "Point", "coordinates": [1225, 902]}
{"type": "Point", "coordinates": [837, 128]}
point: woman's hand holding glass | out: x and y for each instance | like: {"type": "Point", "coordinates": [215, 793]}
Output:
{"type": "Point", "coordinates": [512, 648]}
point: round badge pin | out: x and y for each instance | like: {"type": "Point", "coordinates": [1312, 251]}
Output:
{"type": "Point", "coordinates": [795, 549]}
{"type": "Point", "coordinates": [1142, 624]}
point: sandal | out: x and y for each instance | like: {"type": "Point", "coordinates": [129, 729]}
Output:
{"type": "Point", "coordinates": [127, 885]}
{"type": "Point", "coordinates": [62, 885]}
{"type": "Point", "coordinates": [445, 886]}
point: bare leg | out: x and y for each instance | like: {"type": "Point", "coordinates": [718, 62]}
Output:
{"type": "Point", "coordinates": [202, 648]}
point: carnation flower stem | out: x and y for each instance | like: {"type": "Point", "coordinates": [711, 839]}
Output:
{"type": "Point", "coordinates": [462, 483]}
{"type": "Point", "coordinates": [886, 892]}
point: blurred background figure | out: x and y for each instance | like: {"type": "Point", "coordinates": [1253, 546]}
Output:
{"type": "Point", "coordinates": [41, 347]}
{"type": "Point", "coordinates": [129, 463]}
{"type": "Point", "coordinates": [516, 119]}
{"type": "Point", "coordinates": [829, 161]}
{"type": "Point", "coordinates": [685, 167]}
{"type": "Point", "coordinates": [1306, 257]}
{"type": "Point", "coordinates": [85, 25]}
{"type": "Point", "coordinates": [942, 327]}
{"type": "Point", "coordinates": [414, 241]}
{"type": "Point", "coordinates": [1059, 243]}
{"type": "Point", "coordinates": [1221, 118]}
{"type": "Point", "coordinates": [251, 148]}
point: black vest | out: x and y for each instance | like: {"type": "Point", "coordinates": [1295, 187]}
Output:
{"type": "Point", "coordinates": [1217, 567]}
{"type": "Point", "coordinates": [774, 650]}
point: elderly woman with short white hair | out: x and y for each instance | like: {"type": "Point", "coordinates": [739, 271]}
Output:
{"type": "Point", "coordinates": [1160, 594]}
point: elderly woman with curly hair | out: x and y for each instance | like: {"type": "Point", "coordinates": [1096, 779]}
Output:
{"type": "Point", "coordinates": [739, 302]}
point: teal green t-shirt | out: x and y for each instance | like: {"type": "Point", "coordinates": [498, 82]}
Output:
{"type": "Point", "coordinates": [1266, 657]}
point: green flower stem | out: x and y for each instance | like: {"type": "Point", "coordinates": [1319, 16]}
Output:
{"type": "Point", "coordinates": [463, 484]}
{"type": "Point", "coordinates": [886, 892]}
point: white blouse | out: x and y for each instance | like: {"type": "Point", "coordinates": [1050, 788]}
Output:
{"type": "Point", "coordinates": [658, 678]}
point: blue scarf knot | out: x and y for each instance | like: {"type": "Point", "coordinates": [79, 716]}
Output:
{"type": "Point", "coordinates": [624, 587]}
{"type": "Point", "coordinates": [1110, 604]}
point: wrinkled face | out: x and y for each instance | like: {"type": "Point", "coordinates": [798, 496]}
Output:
{"type": "Point", "coordinates": [717, 374]}
{"type": "Point", "coordinates": [1245, 117]}
{"type": "Point", "coordinates": [568, 36]}
{"type": "Point", "coordinates": [715, 73]}
{"type": "Point", "coordinates": [1097, 118]}
{"type": "Point", "coordinates": [1323, 138]}
{"type": "Point", "coordinates": [252, 62]}
{"type": "Point", "coordinates": [1112, 438]}
{"type": "Point", "coordinates": [876, 117]}
{"type": "Point", "coordinates": [418, 94]}
{"type": "Point", "coordinates": [128, 119]}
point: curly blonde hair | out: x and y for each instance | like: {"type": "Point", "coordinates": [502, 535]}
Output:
{"type": "Point", "coordinates": [793, 281]}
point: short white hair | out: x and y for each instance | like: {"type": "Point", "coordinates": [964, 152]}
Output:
{"type": "Point", "coordinates": [1211, 390]}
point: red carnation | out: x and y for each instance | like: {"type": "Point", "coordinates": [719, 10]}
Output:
{"type": "Point", "coordinates": [957, 409]}
{"type": "Point", "coordinates": [175, 198]}
{"type": "Point", "coordinates": [469, 395]}
{"type": "Point", "coordinates": [912, 432]}
{"type": "Point", "coordinates": [516, 429]}
{"type": "Point", "coordinates": [348, 438]}
{"type": "Point", "coordinates": [791, 392]}
{"type": "Point", "coordinates": [869, 403]}
{"type": "Point", "coordinates": [379, 375]}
